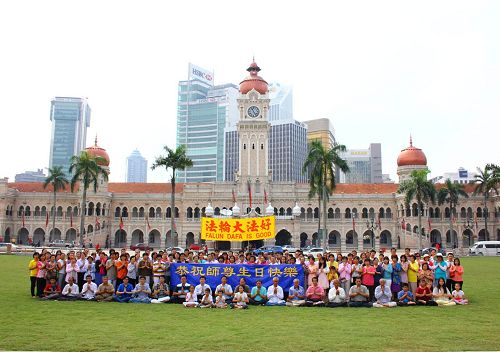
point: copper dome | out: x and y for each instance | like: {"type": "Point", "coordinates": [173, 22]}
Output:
{"type": "Point", "coordinates": [254, 81]}
{"type": "Point", "coordinates": [412, 156]}
{"type": "Point", "coordinates": [97, 151]}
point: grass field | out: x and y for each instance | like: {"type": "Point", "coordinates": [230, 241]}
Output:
{"type": "Point", "coordinates": [29, 324]}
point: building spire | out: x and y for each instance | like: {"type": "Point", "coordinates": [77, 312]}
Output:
{"type": "Point", "coordinates": [95, 140]}
{"type": "Point", "coordinates": [411, 141]}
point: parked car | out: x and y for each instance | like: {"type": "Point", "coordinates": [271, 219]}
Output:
{"type": "Point", "coordinates": [429, 249]}
{"type": "Point", "coordinates": [13, 248]}
{"type": "Point", "coordinates": [313, 251]}
{"type": "Point", "coordinates": [268, 249]}
{"type": "Point", "coordinates": [485, 248]}
{"type": "Point", "coordinates": [141, 247]}
{"type": "Point", "coordinates": [62, 244]}
{"type": "Point", "coordinates": [289, 248]}
{"type": "Point", "coordinates": [177, 249]}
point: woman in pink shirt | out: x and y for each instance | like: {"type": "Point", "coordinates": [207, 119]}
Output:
{"type": "Point", "coordinates": [40, 275]}
{"type": "Point", "coordinates": [456, 272]}
{"type": "Point", "coordinates": [72, 270]}
{"type": "Point", "coordinates": [312, 269]}
{"type": "Point", "coordinates": [367, 277]}
{"type": "Point", "coordinates": [403, 274]}
{"type": "Point", "coordinates": [315, 294]}
{"type": "Point", "coordinates": [345, 270]}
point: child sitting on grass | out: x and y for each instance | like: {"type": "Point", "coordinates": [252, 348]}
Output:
{"type": "Point", "coordinates": [459, 295]}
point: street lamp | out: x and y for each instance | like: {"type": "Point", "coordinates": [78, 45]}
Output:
{"type": "Point", "coordinates": [370, 225]}
{"type": "Point", "coordinates": [468, 226]}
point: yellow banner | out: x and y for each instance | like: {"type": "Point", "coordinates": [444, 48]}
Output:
{"type": "Point", "coordinates": [245, 229]}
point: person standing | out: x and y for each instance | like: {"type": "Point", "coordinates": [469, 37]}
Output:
{"type": "Point", "coordinates": [345, 270]}
{"type": "Point", "coordinates": [111, 272]}
{"type": "Point", "coordinates": [33, 269]}
{"type": "Point", "coordinates": [40, 275]}
{"type": "Point", "coordinates": [413, 268]}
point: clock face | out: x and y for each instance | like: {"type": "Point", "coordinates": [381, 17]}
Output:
{"type": "Point", "coordinates": [253, 111]}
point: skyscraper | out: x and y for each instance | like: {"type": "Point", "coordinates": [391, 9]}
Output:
{"type": "Point", "coordinates": [31, 176]}
{"type": "Point", "coordinates": [137, 168]}
{"type": "Point", "coordinates": [365, 165]}
{"type": "Point", "coordinates": [203, 111]}
{"type": "Point", "coordinates": [70, 118]}
{"type": "Point", "coordinates": [322, 130]}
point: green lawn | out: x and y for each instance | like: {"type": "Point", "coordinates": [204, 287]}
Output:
{"type": "Point", "coordinates": [29, 324]}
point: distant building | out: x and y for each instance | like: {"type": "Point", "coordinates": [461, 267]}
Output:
{"type": "Point", "coordinates": [281, 104]}
{"type": "Point", "coordinates": [365, 165]}
{"type": "Point", "coordinates": [461, 176]}
{"type": "Point", "coordinates": [386, 178]}
{"type": "Point", "coordinates": [203, 111]}
{"type": "Point", "coordinates": [70, 118]}
{"type": "Point", "coordinates": [322, 130]}
{"type": "Point", "coordinates": [137, 168]}
{"type": "Point", "coordinates": [31, 176]}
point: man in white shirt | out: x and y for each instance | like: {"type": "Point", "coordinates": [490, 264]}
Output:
{"type": "Point", "coordinates": [82, 264]}
{"type": "Point", "coordinates": [383, 295]}
{"type": "Point", "coordinates": [89, 289]}
{"type": "Point", "coordinates": [199, 290]}
{"type": "Point", "coordinates": [70, 291]}
{"type": "Point", "coordinates": [336, 295]}
{"type": "Point", "coordinates": [227, 290]}
{"type": "Point", "coordinates": [275, 294]}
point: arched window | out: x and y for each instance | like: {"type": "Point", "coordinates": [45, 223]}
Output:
{"type": "Point", "coordinates": [330, 213]}
{"type": "Point", "coordinates": [158, 213]}
{"type": "Point", "coordinates": [348, 213]}
{"type": "Point", "coordinates": [151, 212]}
{"type": "Point", "coordinates": [463, 213]}
{"type": "Point", "coordinates": [124, 212]}
{"type": "Point", "coordinates": [289, 211]}
{"type": "Point", "coordinates": [37, 211]}
{"type": "Point", "coordinates": [447, 213]}
{"type": "Point", "coordinates": [388, 213]}
{"type": "Point", "coordinates": [371, 213]}
{"type": "Point", "coordinates": [98, 209]}
{"type": "Point", "coordinates": [282, 211]}
{"type": "Point", "coordinates": [189, 213]}
{"type": "Point", "coordinates": [431, 212]}
{"type": "Point", "coordinates": [381, 213]}
{"type": "Point", "coordinates": [316, 213]}
{"type": "Point", "coordinates": [141, 212]}
{"type": "Point", "coordinates": [364, 213]}
{"type": "Point", "coordinates": [135, 212]}
{"type": "Point", "coordinates": [337, 213]}
{"type": "Point", "coordinates": [196, 213]}
{"type": "Point", "coordinates": [118, 211]}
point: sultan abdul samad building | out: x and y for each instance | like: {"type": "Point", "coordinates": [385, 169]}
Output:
{"type": "Point", "coordinates": [145, 210]}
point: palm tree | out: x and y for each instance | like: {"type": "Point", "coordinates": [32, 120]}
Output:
{"type": "Point", "coordinates": [450, 194]}
{"type": "Point", "coordinates": [487, 181]}
{"type": "Point", "coordinates": [175, 160]}
{"type": "Point", "coordinates": [321, 161]}
{"type": "Point", "coordinates": [419, 188]}
{"type": "Point", "coordinates": [86, 169]}
{"type": "Point", "coordinates": [58, 180]}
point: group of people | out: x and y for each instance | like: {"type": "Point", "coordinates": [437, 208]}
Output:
{"type": "Point", "coordinates": [331, 280]}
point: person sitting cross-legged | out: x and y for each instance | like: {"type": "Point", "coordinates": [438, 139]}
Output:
{"type": "Point", "coordinates": [383, 295]}
{"type": "Point", "coordinates": [161, 292]}
{"type": "Point", "coordinates": [141, 292]}
{"type": "Point", "coordinates": [296, 295]}
{"type": "Point", "coordinates": [336, 295]}
{"type": "Point", "coordinates": [124, 291]}
{"type": "Point", "coordinates": [52, 290]}
{"type": "Point", "coordinates": [405, 297]}
{"type": "Point", "coordinates": [359, 295]}
{"type": "Point", "coordinates": [315, 294]}
{"type": "Point", "coordinates": [206, 300]}
{"type": "Point", "coordinates": [191, 298]}
{"type": "Point", "coordinates": [105, 291]}
{"type": "Point", "coordinates": [240, 300]}
{"type": "Point", "coordinates": [423, 295]}
{"type": "Point", "coordinates": [258, 295]}
{"type": "Point", "coordinates": [275, 294]}
{"type": "Point", "coordinates": [70, 291]}
{"type": "Point", "coordinates": [89, 289]}
{"type": "Point", "coordinates": [179, 295]}
{"type": "Point", "coordinates": [227, 290]}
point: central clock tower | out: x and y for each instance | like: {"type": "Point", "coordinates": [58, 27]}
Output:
{"type": "Point", "coordinates": [253, 127]}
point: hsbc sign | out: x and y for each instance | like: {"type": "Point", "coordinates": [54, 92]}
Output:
{"type": "Point", "coordinates": [196, 72]}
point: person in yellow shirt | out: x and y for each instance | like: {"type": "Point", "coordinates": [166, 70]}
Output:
{"type": "Point", "coordinates": [33, 269]}
{"type": "Point", "coordinates": [413, 268]}
{"type": "Point", "coordinates": [333, 267]}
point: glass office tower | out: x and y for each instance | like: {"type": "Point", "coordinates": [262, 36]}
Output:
{"type": "Point", "coordinates": [70, 119]}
